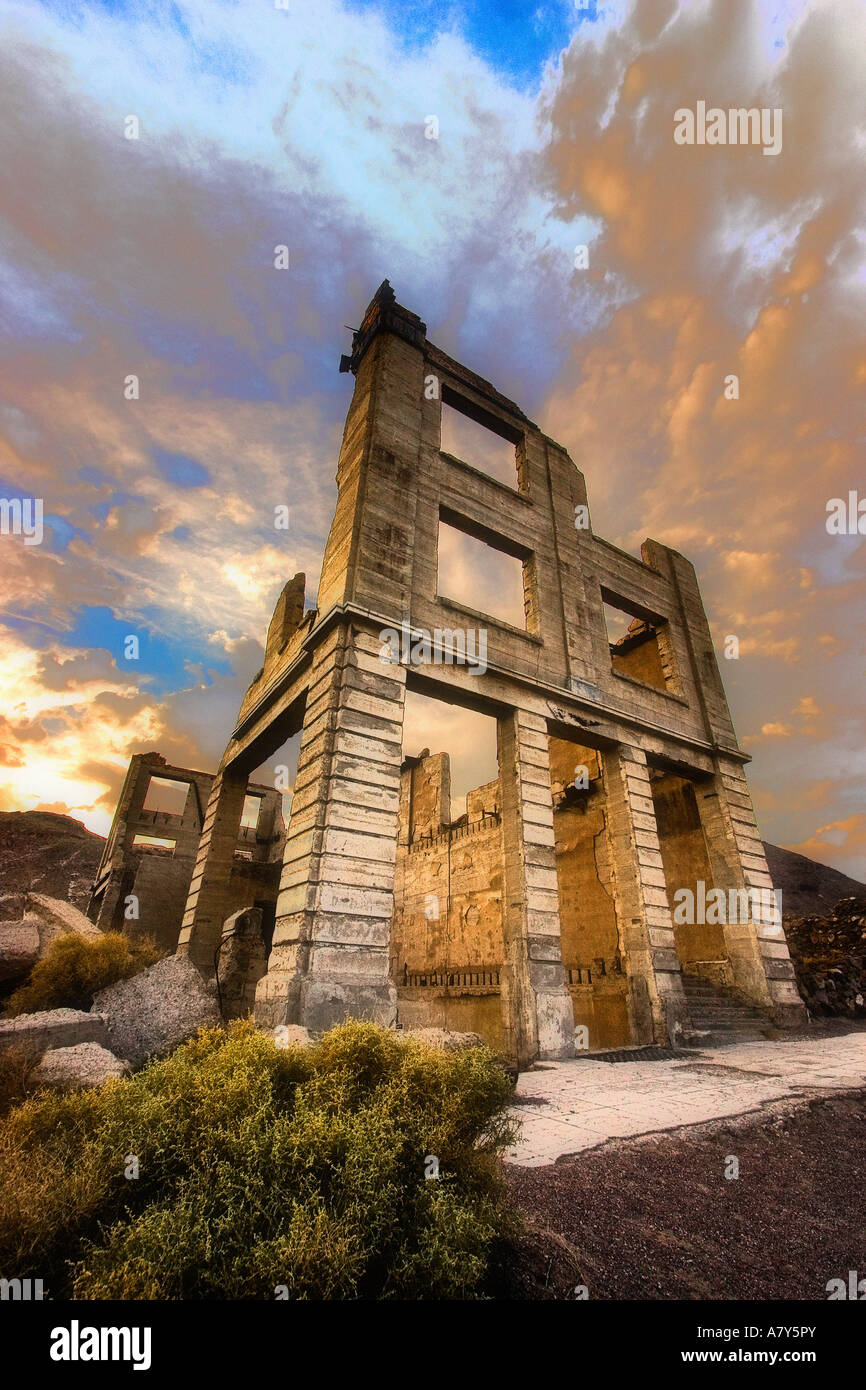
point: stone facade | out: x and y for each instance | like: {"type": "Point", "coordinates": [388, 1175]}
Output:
{"type": "Point", "coordinates": [150, 853]}
{"type": "Point", "coordinates": [620, 778]}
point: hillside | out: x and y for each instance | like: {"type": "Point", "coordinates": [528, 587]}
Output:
{"type": "Point", "coordinates": [808, 889]}
{"type": "Point", "coordinates": [41, 852]}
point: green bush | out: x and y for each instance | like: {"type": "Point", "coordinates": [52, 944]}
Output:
{"type": "Point", "coordinates": [261, 1168]}
{"type": "Point", "coordinates": [16, 1063]}
{"type": "Point", "coordinates": [76, 967]}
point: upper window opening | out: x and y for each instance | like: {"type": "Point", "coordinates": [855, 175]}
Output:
{"type": "Point", "coordinates": [479, 576]}
{"type": "Point", "coordinates": [166, 795]}
{"type": "Point", "coordinates": [153, 842]}
{"type": "Point", "coordinates": [635, 648]}
{"type": "Point", "coordinates": [250, 813]}
{"type": "Point", "coordinates": [478, 438]}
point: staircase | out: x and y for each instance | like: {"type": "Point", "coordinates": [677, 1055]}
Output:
{"type": "Point", "coordinates": [720, 1016]}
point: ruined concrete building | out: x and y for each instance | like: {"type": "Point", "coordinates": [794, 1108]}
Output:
{"type": "Point", "coordinates": [143, 879]}
{"type": "Point", "coordinates": [548, 905]}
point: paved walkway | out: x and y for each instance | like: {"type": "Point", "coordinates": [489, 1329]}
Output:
{"type": "Point", "coordinates": [568, 1106]}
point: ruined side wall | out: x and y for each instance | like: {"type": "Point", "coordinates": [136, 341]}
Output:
{"type": "Point", "coordinates": [159, 879]}
{"type": "Point", "coordinates": [686, 863]}
{"type": "Point", "coordinates": [446, 939]}
{"type": "Point", "coordinates": [591, 952]}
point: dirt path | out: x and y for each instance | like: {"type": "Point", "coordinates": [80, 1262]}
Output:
{"type": "Point", "coordinates": [656, 1218]}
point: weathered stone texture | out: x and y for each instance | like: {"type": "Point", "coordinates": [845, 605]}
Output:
{"type": "Point", "coordinates": [72, 1068]}
{"type": "Point", "coordinates": [151, 1013]}
{"type": "Point", "coordinates": [142, 887]}
{"type": "Point", "coordinates": [241, 962]}
{"type": "Point", "coordinates": [557, 906]}
{"type": "Point", "coordinates": [53, 1028]}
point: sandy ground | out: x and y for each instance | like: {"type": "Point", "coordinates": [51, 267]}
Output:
{"type": "Point", "coordinates": [569, 1107]}
{"type": "Point", "coordinates": [655, 1217]}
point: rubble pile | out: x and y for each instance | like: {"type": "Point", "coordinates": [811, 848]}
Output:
{"type": "Point", "coordinates": [829, 956]}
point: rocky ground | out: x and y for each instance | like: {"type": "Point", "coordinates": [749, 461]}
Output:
{"type": "Point", "coordinates": [829, 955]}
{"type": "Point", "coordinates": [655, 1217]}
{"type": "Point", "coordinates": [808, 889]}
{"type": "Point", "coordinates": [41, 852]}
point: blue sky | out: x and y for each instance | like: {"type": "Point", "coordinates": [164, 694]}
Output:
{"type": "Point", "coordinates": [306, 127]}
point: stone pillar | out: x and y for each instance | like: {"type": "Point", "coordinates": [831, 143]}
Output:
{"type": "Point", "coordinates": [330, 956]}
{"type": "Point", "coordinates": [207, 900]}
{"type": "Point", "coordinates": [757, 949]}
{"type": "Point", "coordinates": [657, 1003]}
{"type": "Point", "coordinates": [240, 962]}
{"type": "Point", "coordinates": [538, 1003]}
{"type": "Point", "coordinates": [106, 910]}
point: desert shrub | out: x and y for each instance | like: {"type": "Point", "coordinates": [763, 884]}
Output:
{"type": "Point", "coordinates": [16, 1064]}
{"type": "Point", "coordinates": [262, 1168]}
{"type": "Point", "coordinates": [76, 967]}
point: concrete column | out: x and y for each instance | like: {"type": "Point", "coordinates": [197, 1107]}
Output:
{"type": "Point", "coordinates": [538, 1002]}
{"type": "Point", "coordinates": [207, 903]}
{"type": "Point", "coordinates": [757, 949]}
{"type": "Point", "coordinates": [331, 941]}
{"type": "Point", "coordinates": [657, 1003]}
{"type": "Point", "coordinates": [107, 910]}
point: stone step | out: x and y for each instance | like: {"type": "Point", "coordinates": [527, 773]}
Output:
{"type": "Point", "coordinates": [699, 1038]}
{"type": "Point", "coordinates": [721, 1011]}
{"type": "Point", "coordinates": [719, 1015]}
{"type": "Point", "coordinates": [714, 1011]}
{"type": "Point", "coordinates": [728, 1028]}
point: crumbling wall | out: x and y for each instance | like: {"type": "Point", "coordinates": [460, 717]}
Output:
{"type": "Point", "coordinates": [591, 950]}
{"type": "Point", "coordinates": [686, 863]}
{"type": "Point", "coordinates": [141, 889]}
{"type": "Point", "coordinates": [446, 936]}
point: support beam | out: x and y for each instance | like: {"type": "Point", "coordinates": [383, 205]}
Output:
{"type": "Point", "coordinates": [537, 998]}
{"type": "Point", "coordinates": [657, 1003]}
{"type": "Point", "coordinates": [205, 912]}
{"type": "Point", "coordinates": [757, 949]}
{"type": "Point", "coordinates": [330, 954]}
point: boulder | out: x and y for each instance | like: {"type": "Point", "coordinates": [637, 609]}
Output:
{"type": "Point", "coordinates": [443, 1037]}
{"type": "Point", "coordinates": [29, 923]}
{"type": "Point", "coordinates": [71, 1068]}
{"type": "Point", "coordinates": [52, 1028]}
{"type": "Point", "coordinates": [12, 906]}
{"type": "Point", "coordinates": [19, 949]}
{"type": "Point", "coordinates": [56, 917]}
{"type": "Point", "coordinates": [151, 1013]}
{"type": "Point", "coordinates": [293, 1035]}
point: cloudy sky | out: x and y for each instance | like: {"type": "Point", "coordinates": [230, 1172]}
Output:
{"type": "Point", "coordinates": [305, 127]}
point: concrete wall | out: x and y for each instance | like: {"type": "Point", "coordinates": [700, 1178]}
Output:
{"type": "Point", "coordinates": [447, 947]}
{"type": "Point", "coordinates": [348, 909]}
{"type": "Point", "coordinates": [144, 890]}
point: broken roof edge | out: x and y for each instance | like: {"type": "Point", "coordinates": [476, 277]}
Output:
{"type": "Point", "coordinates": [384, 315]}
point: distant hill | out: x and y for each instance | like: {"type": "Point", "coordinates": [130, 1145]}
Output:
{"type": "Point", "coordinates": [41, 852]}
{"type": "Point", "coordinates": [808, 889]}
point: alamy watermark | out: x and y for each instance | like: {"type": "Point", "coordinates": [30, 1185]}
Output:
{"type": "Point", "coordinates": [717, 905]}
{"type": "Point", "coordinates": [739, 125]}
{"type": "Point", "coordinates": [846, 516]}
{"type": "Point", "coordinates": [22, 516]}
{"type": "Point", "coordinates": [77, 1343]}
{"type": "Point", "coordinates": [21, 1290]}
{"type": "Point", "coordinates": [855, 1289]}
{"type": "Point", "coordinates": [446, 646]}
